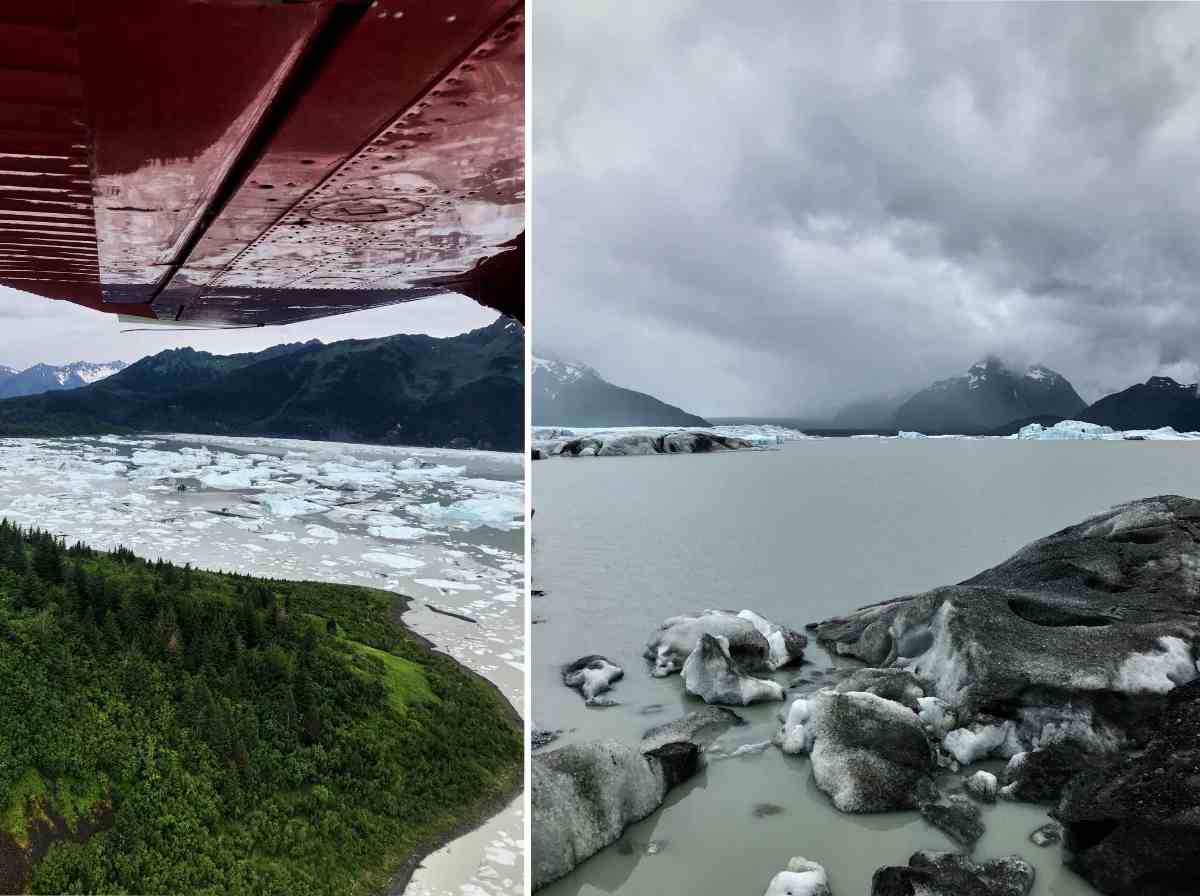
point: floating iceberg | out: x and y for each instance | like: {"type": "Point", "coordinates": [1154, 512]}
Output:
{"type": "Point", "coordinates": [395, 561]}
{"type": "Point", "coordinates": [1077, 429]}
{"type": "Point", "coordinates": [1067, 429]}
{"type": "Point", "coordinates": [496, 511]}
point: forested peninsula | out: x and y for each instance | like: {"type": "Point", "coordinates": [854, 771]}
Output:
{"type": "Point", "coordinates": [168, 729]}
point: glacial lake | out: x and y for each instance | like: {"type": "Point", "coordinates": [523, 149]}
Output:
{"type": "Point", "coordinates": [443, 527]}
{"type": "Point", "coordinates": [799, 533]}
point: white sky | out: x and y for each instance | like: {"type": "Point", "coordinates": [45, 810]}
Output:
{"type": "Point", "coordinates": [36, 330]}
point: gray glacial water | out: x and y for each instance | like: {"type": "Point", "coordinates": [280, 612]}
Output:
{"type": "Point", "coordinates": [443, 527]}
{"type": "Point", "coordinates": [801, 533]}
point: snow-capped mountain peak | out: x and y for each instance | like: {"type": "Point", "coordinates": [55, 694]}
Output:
{"type": "Point", "coordinates": [567, 393]}
{"type": "Point", "coordinates": [990, 395]}
{"type": "Point", "coordinates": [563, 371]}
{"type": "Point", "coordinates": [1042, 374]}
{"type": "Point", "coordinates": [981, 371]}
{"type": "Point", "coordinates": [91, 373]}
{"type": "Point", "coordinates": [47, 378]}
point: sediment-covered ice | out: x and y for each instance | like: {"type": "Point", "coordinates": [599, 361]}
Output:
{"type": "Point", "coordinates": [592, 676]}
{"type": "Point", "coordinates": [868, 753]}
{"type": "Point", "coordinates": [746, 635]}
{"type": "Point", "coordinates": [711, 674]}
{"type": "Point", "coordinates": [758, 434]}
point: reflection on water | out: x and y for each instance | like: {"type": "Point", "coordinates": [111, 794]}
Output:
{"type": "Point", "coordinates": [798, 534]}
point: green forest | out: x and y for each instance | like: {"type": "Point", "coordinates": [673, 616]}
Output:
{"type": "Point", "coordinates": [166, 729]}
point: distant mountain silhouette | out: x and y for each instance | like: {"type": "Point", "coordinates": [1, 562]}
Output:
{"type": "Point", "coordinates": [464, 391]}
{"type": "Point", "coordinates": [49, 378]}
{"type": "Point", "coordinates": [989, 396]}
{"type": "Point", "coordinates": [567, 394]}
{"type": "Point", "coordinates": [1160, 401]}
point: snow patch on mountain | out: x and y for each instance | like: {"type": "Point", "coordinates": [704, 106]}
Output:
{"type": "Point", "coordinates": [49, 378]}
{"type": "Point", "coordinates": [92, 373]}
{"type": "Point", "coordinates": [563, 371]}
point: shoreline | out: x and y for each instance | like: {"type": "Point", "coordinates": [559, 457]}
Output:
{"type": "Point", "coordinates": [478, 814]}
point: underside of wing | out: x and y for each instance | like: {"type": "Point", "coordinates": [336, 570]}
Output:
{"type": "Point", "coordinates": [256, 162]}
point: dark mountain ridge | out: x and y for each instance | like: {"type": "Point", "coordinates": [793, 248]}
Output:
{"type": "Point", "coordinates": [463, 391]}
{"type": "Point", "coordinates": [988, 396]}
{"type": "Point", "coordinates": [1160, 401]}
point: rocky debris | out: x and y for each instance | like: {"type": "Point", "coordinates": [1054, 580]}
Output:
{"type": "Point", "coordinates": [585, 795]}
{"type": "Point", "coordinates": [700, 727]}
{"type": "Point", "coordinates": [953, 814]}
{"type": "Point", "coordinates": [802, 878]}
{"type": "Point", "coordinates": [1074, 638]}
{"type": "Point", "coordinates": [868, 754]}
{"type": "Point", "coordinates": [899, 685]}
{"type": "Point", "coordinates": [591, 676]}
{"type": "Point", "coordinates": [1047, 835]}
{"type": "Point", "coordinates": [542, 737]}
{"type": "Point", "coordinates": [1133, 824]}
{"type": "Point", "coordinates": [756, 644]}
{"type": "Point", "coordinates": [1039, 776]}
{"type": "Point", "coordinates": [711, 674]}
{"type": "Point", "coordinates": [981, 785]}
{"type": "Point", "coordinates": [954, 874]}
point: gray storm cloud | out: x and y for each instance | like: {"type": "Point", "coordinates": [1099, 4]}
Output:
{"type": "Point", "coordinates": [775, 208]}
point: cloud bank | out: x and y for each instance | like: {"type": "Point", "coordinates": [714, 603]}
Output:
{"type": "Point", "coordinates": [775, 208]}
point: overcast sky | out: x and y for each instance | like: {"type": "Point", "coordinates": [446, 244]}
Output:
{"type": "Point", "coordinates": [769, 208]}
{"type": "Point", "coordinates": [35, 330]}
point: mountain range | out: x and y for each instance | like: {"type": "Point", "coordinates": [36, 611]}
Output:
{"type": "Point", "coordinates": [46, 378]}
{"type": "Point", "coordinates": [993, 399]}
{"type": "Point", "coordinates": [570, 394]}
{"type": "Point", "coordinates": [464, 391]}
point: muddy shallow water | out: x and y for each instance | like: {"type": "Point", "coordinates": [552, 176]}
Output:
{"type": "Point", "coordinates": [443, 527]}
{"type": "Point", "coordinates": [801, 533]}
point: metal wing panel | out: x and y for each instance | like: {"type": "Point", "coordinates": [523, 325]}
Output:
{"type": "Point", "coordinates": [251, 161]}
{"type": "Point", "coordinates": [47, 230]}
{"type": "Point", "coordinates": [402, 161]}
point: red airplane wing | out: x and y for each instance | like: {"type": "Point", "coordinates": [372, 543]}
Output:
{"type": "Point", "coordinates": [250, 162]}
